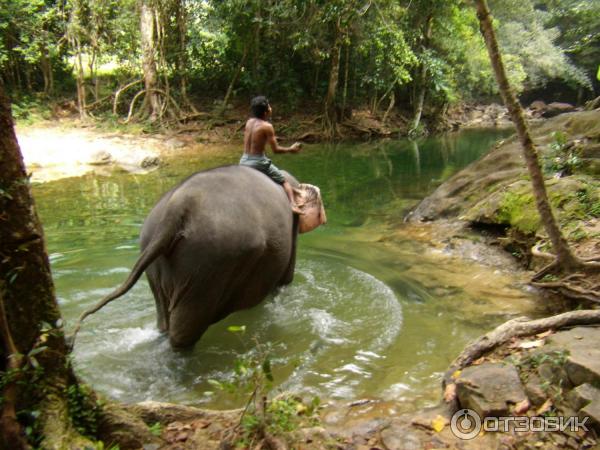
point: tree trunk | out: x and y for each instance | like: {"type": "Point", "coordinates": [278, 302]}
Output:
{"type": "Point", "coordinates": [334, 72]}
{"type": "Point", "coordinates": [346, 70]}
{"type": "Point", "coordinates": [81, 103]}
{"type": "Point", "coordinates": [27, 294]}
{"type": "Point", "coordinates": [46, 67]}
{"type": "Point", "coordinates": [151, 101]}
{"type": "Point", "coordinates": [564, 257]}
{"type": "Point", "coordinates": [182, 59]}
{"type": "Point", "coordinates": [421, 82]}
{"type": "Point", "coordinates": [390, 106]}
{"type": "Point", "coordinates": [234, 80]}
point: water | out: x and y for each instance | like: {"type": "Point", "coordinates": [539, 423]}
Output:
{"type": "Point", "coordinates": [365, 316]}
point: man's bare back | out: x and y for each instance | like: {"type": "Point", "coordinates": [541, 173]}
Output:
{"type": "Point", "coordinates": [257, 134]}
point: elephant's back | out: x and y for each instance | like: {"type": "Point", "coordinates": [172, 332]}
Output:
{"type": "Point", "coordinates": [225, 210]}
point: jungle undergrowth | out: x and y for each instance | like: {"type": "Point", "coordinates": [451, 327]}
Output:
{"type": "Point", "coordinates": [268, 416]}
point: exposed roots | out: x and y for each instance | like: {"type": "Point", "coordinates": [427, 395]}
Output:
{"type": "Point", "coordinates": [535, 251]}
{"type": "Point", "coordinates": [581, 283]}
{"type": "Point", "coordinates": [174, 112]}
{"type": "Point", "coordinates": [516, 328]}
{"type": "Point", "coordinates": [120, 91]}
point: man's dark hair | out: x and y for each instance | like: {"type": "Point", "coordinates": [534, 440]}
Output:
{"type": "Point", "coordinates": [259, 106]}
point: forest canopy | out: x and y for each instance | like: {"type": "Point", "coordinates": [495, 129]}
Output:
{"type": "Point", "coordinates": [346, 53]}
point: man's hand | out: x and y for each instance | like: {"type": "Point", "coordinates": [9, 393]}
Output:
{"type": "Point", "coordinates": [296, 147]}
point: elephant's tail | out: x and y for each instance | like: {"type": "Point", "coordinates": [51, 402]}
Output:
{"type": "Point", "coordinates": [155, 248]}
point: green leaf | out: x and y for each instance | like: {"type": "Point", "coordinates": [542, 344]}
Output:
{"type": "Point", "coordinates": [36, 350]}
{"type": "Point", "coordinates": [266, 367]}
{"type": "Point", "coordinates": [216, 384]}
{"type": "Point", "coordinates": [237, 329]}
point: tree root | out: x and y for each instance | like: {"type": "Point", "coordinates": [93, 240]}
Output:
{"type": "Point", "coordinates": [120, 91]}
{"type": "Point", "coordinates": [517, 328]}
{"type": "Point", "coordinates": [535, 251]}
{"type": "Point", "coordinates": [578, 284]}
{"type": "Point", "coordinates": [164, 108]}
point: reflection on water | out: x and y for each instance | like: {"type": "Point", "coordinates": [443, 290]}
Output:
{"type": "Point", "coordinates": [364, 316]}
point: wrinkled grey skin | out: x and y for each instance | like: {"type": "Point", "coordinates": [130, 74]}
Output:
{"type": "Point", "coordinates": [218, 242]}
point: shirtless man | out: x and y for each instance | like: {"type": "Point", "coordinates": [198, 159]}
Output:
{"type": "Point", "coordinates": [257, 134]}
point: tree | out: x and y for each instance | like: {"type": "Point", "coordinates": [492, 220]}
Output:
{"type": "Point", "coordinates": [148, 44]}
{"type": "Point", "coordinates": [565, 259]}
{"type": "Point", "coordinates": [32, 333]}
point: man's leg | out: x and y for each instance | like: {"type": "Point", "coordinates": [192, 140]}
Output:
{"type": "Point", "coordinates": [290, 193]}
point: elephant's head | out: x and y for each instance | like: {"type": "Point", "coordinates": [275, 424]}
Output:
{"type": "Point", "coordinates": [308, 198]}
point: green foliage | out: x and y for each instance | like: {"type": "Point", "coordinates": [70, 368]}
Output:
{"type": "Point", "coordinates": [556, 358]}
{"type": "Point", "coordinates": [156, 429]}
{"type": "Point", "coordinates": [83, 409]}
{"type": "Point", "coordinates": [277, 415]}
{"type": "Point", "coordinates": [529, 37]}
{"type": "Point", "coordinates": [563, 158]}
{"type": "Point", "coordinates": [285, 48]}
{"type": "Point", "coordinates": [590, 200]}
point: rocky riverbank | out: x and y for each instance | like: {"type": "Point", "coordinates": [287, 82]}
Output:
{"type": "Point", "coordinates": [495, 194]}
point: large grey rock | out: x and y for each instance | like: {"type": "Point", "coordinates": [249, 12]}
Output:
{"type": "Point", "coordinates": [490, 389]}
{"type": "Point", "coordinates": [583, 361]}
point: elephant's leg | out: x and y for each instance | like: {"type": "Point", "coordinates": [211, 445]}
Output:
{"type": "Point", "coordinates": [161, 301]}
{"type": "Point", "coordinates": [195, 308]}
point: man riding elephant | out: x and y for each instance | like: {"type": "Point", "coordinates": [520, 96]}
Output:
{"type": "Point", "coordinates": [222, 239]}
{"type": "Point", "coordinates": [257, 134]}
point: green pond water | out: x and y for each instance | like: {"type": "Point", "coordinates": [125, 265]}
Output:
{"type": "Point", "coordinates": [364, 317]}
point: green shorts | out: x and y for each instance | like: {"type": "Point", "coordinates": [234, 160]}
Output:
{"type": "Point", "coordinates": [264, 165]}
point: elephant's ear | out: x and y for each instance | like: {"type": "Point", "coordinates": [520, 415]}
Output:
{"type": "Point", "coordinates": [300, 196]}
{"type": "Point", "coordinates": [308, 199]}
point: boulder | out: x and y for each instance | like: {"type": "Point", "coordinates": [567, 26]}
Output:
{"type": "Point", "coordinates": [490, 389]}
{"type": "Point", "coordinates": [583, 362]}
{"type": "Point", "coordinates": [100, 158]}
{"type": "Point", "coordinates": [591, 151]}
{"type": "Point", "coordinates": [556, 108]}
{"type": "Point", "coordinates": [538, 105]}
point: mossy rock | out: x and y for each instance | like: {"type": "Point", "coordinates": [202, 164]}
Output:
{"type": "Point", "coordinates": [573, 199]}
{"type": "Point", "coordinates": [480, 191]}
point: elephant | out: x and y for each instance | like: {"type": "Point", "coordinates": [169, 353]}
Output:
{"type": "Point", "coordinates": [218, 242]}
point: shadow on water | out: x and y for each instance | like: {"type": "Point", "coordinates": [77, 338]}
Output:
{"type": "Point", "coordinates": [363, 318]}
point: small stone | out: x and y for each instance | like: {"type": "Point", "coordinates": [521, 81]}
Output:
{"type": "Point", "coordinates": [174, 143]}
{"type": "Point", "coordinates": [100, 158]}
{"type": "Point", "coordinates": [534, 391]}
{"type": "Point", "coordinates": [400, 438]}
{"type": "Point", "coordinates": [150, 161]}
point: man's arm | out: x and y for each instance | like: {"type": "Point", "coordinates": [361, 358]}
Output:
{"type": "Point", "coordinates": [272, 140]}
